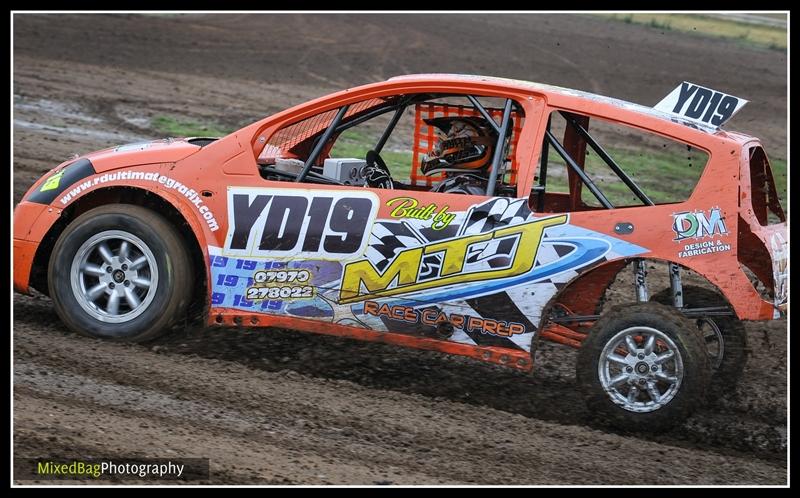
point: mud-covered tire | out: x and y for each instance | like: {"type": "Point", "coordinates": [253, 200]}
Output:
{"type": "Point", "coordinates": [671, 331]}
{"type": "Point", "coordinates": [120, 272]}
{"type": "Point", "coordinates": [727, 370]}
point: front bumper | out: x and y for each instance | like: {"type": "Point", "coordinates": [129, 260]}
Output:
{"type": "Point", "coordinates": [24, 252]}
{"type": "Point", "coordinates": [28, 229]}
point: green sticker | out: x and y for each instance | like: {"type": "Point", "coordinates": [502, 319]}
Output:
{"type": "Point", "coordinates": [52, 182]}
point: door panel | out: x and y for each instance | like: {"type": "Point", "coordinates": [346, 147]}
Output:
{"type": "Point", "coordinates": [401, 261]}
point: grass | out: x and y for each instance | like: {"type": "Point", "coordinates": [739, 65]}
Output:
{"type": "Point", "coordinates": [771, 37]}
{"type": "Point", "coordinates": [663, 177]}
{"type": "Point", "coordinates": [779, 175]}
{"type": "Point", "coordinates": [665, 25]}
{"type": "Point", "coordinates": [175, 127]}
{"type": "Point", "coordinates": [353, 143]}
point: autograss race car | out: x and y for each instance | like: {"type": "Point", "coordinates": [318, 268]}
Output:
{"type": "Point", "coordinates": [464, 214]}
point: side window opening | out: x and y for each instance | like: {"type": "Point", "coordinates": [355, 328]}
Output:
{"type": "Point", "coordinates": [284, 154]}
{"type": "Point", "coordinates": [764, 195]}
{"type": "Point", "coordinates": [625, 167]}
{"type": "Point", "coordinates": [428, 142]}
{"type": "Point", "coordinates": [395, 149]}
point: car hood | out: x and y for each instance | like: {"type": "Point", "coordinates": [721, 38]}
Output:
{"type": "Point", "coordinates": [122, 156]}
{"type": "Point", "coordinates": [140, 153]}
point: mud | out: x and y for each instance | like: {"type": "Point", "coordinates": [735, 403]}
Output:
{"type": "Point", "coordinates": [279, 407]}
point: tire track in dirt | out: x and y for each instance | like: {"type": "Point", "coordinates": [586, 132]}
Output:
{"type": "Point", "coordinates": [362, 430]}
{"type": "Point", "coordinates": [334, 412]}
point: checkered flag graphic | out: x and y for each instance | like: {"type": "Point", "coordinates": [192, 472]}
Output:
{"type": "Point", "coordinates": [389, 238]}
{"type": "Point", "coordinates": [494, 214]}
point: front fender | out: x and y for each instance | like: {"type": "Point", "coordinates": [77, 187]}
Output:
{"type": "Point", "coordinates": [34, 221]}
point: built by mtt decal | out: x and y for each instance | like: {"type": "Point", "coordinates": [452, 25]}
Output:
{"type": "Point", "coordinates": [408, 207]}
{"type": "Point", "coordinates": [457, 265]}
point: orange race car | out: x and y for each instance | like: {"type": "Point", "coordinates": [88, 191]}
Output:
{"type": "Point", "coordinates": [465, 214]}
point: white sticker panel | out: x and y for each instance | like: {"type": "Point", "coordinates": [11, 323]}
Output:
{"type": "Point", "coordinates": [700, 104]}
{"type": "Point", "coordinates": [291, 223]}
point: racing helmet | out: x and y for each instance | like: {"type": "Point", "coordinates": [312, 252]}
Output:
{"type": "Point", "coordinates": [465, 144]}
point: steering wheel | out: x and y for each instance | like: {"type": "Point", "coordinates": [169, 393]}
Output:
{"type": "Point", "coordinates": [376, 173]}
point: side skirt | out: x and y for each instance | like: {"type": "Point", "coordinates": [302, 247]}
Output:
{"type": "Point", "coordinates": [512, 358]}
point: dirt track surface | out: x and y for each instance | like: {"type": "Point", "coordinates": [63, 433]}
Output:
{"type": "Point", "coordinates": [281, 407]}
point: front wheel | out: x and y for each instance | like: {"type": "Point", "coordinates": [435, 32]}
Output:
{"type": "Point", "coordinates": [643, 366]}
{"type": "Point", "coordinates": [120, 272]}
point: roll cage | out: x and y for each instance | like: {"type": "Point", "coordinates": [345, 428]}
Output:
{"type": "Point", "coordinates": [575, 125]}
{"type": "Point", "coordinates": [398, 105]}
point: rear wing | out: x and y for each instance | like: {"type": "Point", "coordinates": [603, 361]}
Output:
{"type": "Point", "coordinates": [706, 108]}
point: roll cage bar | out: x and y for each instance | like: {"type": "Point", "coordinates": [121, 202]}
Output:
{"type": "Point", "coordinates": [336, 127]}
{"type": "Point", "coordinates": [551, 140]}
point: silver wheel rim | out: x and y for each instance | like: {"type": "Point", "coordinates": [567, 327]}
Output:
{"type": "Point", "coordinates": [114, 276]}
{"type": "Point", "coordinates": [715, 343]}
{"type": "Point", "coordinates": [640, 369]}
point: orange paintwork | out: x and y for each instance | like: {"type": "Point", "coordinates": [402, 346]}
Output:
{"type": "Point", "coordinates": [231, 161]}
{"type": "Point", "coordinates": [24, 214]}
{"type": "Point", "coordinates": [518, 359]}
{"type": "Point", "coordinates": [24, 251]}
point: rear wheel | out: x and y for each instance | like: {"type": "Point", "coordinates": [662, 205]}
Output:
{"type": "Point", "coordinates": [643, 366]}
{"type": "Point", "coordinates": [120, 272]}
{"type": "Point", "coordinates": [724, 336]}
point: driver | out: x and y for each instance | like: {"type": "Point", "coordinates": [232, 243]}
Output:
{"type": "Point", "coordinates": [465, 145]}
{"type": "Point", "coordinates": [463, 153]}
